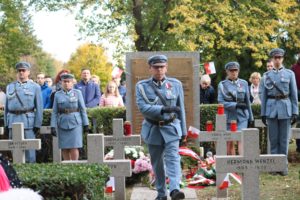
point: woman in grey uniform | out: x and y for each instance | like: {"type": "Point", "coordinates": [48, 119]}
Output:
{"type": "Point", "coordinates": [69, 118]}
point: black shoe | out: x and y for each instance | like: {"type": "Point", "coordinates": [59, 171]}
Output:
{"type": "Point", "coordinates": [273, 173]}
{"type": "Point", "coordinates": [284, 173]}
{"type": "Point", "coordinates": [161, 198]}
{"type": "Point", "coordinates": [176, 195]}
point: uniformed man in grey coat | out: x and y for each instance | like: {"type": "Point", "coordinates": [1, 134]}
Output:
{"type": "Point", "coordinates": [24, 104]}
{"type": "Point", "coordinates": [279, 104]}
{"type": "Point", "coordinates": [160, 99]}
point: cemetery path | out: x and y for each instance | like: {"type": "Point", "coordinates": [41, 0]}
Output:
{"type": "Point", "coordinates": [145, 193]}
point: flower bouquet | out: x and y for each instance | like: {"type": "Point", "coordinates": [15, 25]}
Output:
{"type": "Point", "coordinates": [140, 164]}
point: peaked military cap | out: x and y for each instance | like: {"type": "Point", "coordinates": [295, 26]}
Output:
{"type": "Point", "coordinates": [23, 65]}
{"type": "Point", "coordinates": [232, 65]}
{"type": "Point", "coordinates": [66, 76]}
{"type": "Point", "coordinates": [157, 59]}
{"type": "Point", "coordinates": [277, 52]}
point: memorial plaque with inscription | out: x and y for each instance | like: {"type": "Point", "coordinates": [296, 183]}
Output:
{"type": "Point", "coordinates": [181, 65]}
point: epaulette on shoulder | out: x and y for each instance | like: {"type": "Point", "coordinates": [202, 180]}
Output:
{"type": "Point", "coordinates": [143, 81]}
{"type": "Point", "coordinates": [174, 80]}
{"type": "Point", "coordinates": [288, 70]}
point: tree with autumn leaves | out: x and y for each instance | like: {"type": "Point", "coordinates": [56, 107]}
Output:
{"type": "Point", "coordinates": [220, 30]}
{"type": "Point", "coordinates": [93, 57]}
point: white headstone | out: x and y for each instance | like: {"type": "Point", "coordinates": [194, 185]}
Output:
{"type": "Point", "coordinates": [1, 130]}
{"type": "Point", "coordinates": [18, 144]}
{"type": "Point", "coordinates": [119, 168]}
{"type": "Point", "coordinates": [295, 133]}
{"type": "Point", "coordinates": [220, 137]}
{"type": "Point", "coordinates": [118, 141]}
{"type": "Point", "coordinates": [56, 151]}
{"type": "Point", "coordinates": [250, 163]}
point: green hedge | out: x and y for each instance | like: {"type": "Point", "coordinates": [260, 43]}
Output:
{"type": "Point", "coordinates": [104, 117]}
{"type": "Point", "coordinates": [65, 181]}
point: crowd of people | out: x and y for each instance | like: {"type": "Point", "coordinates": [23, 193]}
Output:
{"type": "Point", "coordinates": [160, 99]}
{"type": "Point", "coordinates": [25, 99]}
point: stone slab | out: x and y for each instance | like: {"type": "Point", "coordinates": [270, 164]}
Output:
{"type": "Point", "coordinates": [145, 193]}
{"type": "Point", "coordinates": [181, 65]}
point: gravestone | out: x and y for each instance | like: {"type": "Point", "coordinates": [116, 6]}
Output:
{"type": "Point", "coordinates": [259, 124]}
{"type": "Point", "coordinates": [181, 65]}
{"type": "Point", "coordinates": [295, 133]}
{"type": "Point", "coordinates": [18, 144]}
{"type": "Point", "coordinates": [95, 154]}
{"type": "Point", "coordinates": [250, 163]}
{"type": "Point", "coordinates": [56, 151]}
{"type": "Point", "coordinates": [221, 136]}
{"type": "Point", "coordinates": [118, 141]}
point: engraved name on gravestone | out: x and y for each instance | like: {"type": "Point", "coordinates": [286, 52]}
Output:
{"type": "Point", "coordinates": [18, 144]}
{"type": "Point", "coordinates": [220, 136]}
{"type": "Point", "coordinates": [181, 65]}
{"type": "Point", "coordinates": [250, 163]}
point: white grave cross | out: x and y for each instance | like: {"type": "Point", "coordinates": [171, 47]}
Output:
{"type": "Point", "coordinates": [220, 136]}
{"type": "Point", "coordinates": [118, 141]}
{"type": "Point", "coordinates": [250, 163]}
{"type": "Point", "coordinates": [18, 144]}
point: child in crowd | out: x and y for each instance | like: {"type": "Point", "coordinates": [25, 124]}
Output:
{"type": "Point", "coordinates": [111, 96]}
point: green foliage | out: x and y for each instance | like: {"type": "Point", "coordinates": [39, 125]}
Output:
{"type": "Point", "coordinates": [65, 181]}
{"type": "Point", "coordinates": [244, 31]}
{"type": "Point", "coordinates": [18, 42]}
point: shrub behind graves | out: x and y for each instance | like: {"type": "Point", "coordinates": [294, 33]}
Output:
{"type": "Point", "coordinates": [65, 181]}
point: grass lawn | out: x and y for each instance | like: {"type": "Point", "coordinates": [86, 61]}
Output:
{"type": "Point", "coordinates": [271, 187]}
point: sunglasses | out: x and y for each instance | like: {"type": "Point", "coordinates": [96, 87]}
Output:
{"type": "Point", "coordinates": [233, 70]}
{"type": "Point", "coordinates": [277, 57]}
{"type": "Point", "coordinates": [21, 70]}
{"type": "Point", "coordinates": [158, 66]}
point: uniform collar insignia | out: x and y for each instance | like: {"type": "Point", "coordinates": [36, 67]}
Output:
{"type": "Point", "coordinates": [158, 83]}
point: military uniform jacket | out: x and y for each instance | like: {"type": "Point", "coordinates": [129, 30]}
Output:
{"type": "Point", "coordinates": [231, 92]}
{"type": "Point", "coordinates": [70, 100]}
{"type": "Point", "coordinates": [286, 82]}
{"type": "Point", "coordinates": [150, 106]}
{"type": "Point", "coordinates": [31, 97]}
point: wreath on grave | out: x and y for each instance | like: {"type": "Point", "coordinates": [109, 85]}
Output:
{"type": "Point", "coordinates": [140, 164]}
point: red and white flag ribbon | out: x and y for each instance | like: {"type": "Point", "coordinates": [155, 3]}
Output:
{"type": "Point", "coordinates": [193, 132]}
{"type": "Point", "coordinates": [184, 151]}
{"type": "Point", "coordinates": [225, 184]}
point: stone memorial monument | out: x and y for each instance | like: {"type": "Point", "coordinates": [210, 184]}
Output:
{"type": "Point", "coordinates": [181, 65]}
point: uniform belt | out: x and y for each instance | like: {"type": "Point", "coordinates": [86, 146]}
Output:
{"type": "Point", "coordinates": [160, 123]}
{"type": "Point", "coordinates": [20, 112]}
{"type": "Point", "coordinates": [67, 111]}
{"type": "Point", "coordinates": [278, 97]}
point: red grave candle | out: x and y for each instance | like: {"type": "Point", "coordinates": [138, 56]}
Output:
{"type": "Point", "coordinates": [233, 125]}
{"type": "Point", "coordinates": [220, 109]}
{"type": "Point", "coordinates": [209, 126]}
{"type": "Point", "coordinates": [127, 128]}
